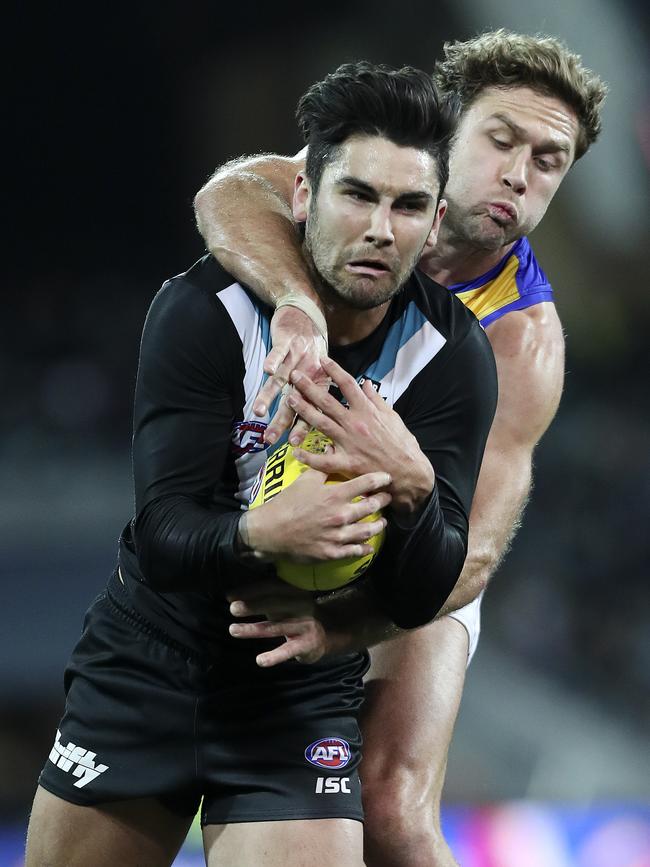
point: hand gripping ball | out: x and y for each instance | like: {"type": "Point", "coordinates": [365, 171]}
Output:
{"type": "Point", "coordinates": [281, 470]}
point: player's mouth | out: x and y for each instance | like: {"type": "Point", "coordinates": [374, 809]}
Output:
{"type": "Point", "coordinates": [502, 212]}
{"type": "Point", "coordinates": [368, 267]}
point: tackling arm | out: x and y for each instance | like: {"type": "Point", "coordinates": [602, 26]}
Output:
{"type": "Point", "coordinates": [244, 215]}
{"type": "Point", "coordinates": [528, 347]}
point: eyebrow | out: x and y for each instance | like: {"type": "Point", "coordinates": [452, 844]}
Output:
{"type": "Point", "coordinates": [547, 146]}
{"type": "Point", "coordinates": [414, 196]}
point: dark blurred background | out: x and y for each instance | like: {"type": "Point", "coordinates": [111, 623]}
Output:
{"type": "Point", "coordinates": [117, 114]}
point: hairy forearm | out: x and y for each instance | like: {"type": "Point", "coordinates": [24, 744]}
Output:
{"type": "Point", "coordinates": [529, 350]}
{"type": "Point", "coordinates": [490, 538]}
{"type": "Point", "coordinates": [353, 621]}
{"type": "Point", "coordinates": [248, 227]}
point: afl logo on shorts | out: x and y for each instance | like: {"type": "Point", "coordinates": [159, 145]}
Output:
{"type": "Point", "coordinates": [331, 753]}
{"type": "Point", "coordinates": [248, 436]}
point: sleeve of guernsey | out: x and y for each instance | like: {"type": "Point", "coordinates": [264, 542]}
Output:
{"type": "Point", "coordinates": [449, 408]}
{"type": "Point", "coordinates": [190, 363]}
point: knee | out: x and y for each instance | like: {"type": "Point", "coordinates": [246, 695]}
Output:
{"type": "Point", "coordinates": [402, 805]}
{"type": "Point", "coordinates": [402, 824]}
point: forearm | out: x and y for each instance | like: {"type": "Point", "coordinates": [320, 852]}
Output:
{"type": "Point", "coordinates": [183, 546]}
{"type": "Point", "coordinates": [353, 621]}
{"type": "Point", "coordinates": [529, 351]}
{"type": "Point", "coordinates": [490, 538]}
{"type": "Point", "coordinates": [248, 227]}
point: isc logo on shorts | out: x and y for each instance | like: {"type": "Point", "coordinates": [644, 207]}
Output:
{"type": "Point", "coordinates": [329, 753]}
{"type": "Point", "coordinates": [332, 785]}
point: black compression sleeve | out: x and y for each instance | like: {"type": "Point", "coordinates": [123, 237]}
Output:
{"type": "Point", "coordinates": [426, 561]}
{"type": "Point", "coordinates": [186, 520]}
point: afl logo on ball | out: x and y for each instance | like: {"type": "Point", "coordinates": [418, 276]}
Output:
{"type": "Point", "coordinates": [331, 753]}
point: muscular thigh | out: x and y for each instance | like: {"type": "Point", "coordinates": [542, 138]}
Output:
{"type": "Point", "coordinates": [413, 691]}
{"type": "Point", "coordinates": [128, 833]}
{"type": "Point", "coordinates": [303, 843]}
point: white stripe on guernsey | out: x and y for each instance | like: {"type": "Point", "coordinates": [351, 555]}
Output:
{"type": "Point", "coordinates": [411, 358]}
{"type": "Point", "coordinates": [247, 320]}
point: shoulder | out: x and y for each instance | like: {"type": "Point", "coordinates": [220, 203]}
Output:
{"type": "Point", "coordinates": [516, 282]}
{"type": "Point", "coordinates": [455, 353]}
{"type": "Point", "coordinates": [191, 311]}
{"type": "Point", "coordinates": [205, 278]}
{"type": "Point", "coordinates": [464, 343]}
{"type": "Point", "coordinates": [525, 333]}
{"type": "Point", "coordinates": [530, 274]}
{"type": "Point", "coordinates": [204, 290]}
{"type": "Point", "coordinates": [528, 347]}
{"type": "Point", "coordinates": [442, 308]}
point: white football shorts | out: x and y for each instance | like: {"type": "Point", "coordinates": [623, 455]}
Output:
{"type": "Point", "coordinates": [470, 617]}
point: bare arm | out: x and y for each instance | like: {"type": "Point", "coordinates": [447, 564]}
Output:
{"type": "Point", "coordinates": [244, 215]}
{"type": "Point", "coordinates": [529, 351]}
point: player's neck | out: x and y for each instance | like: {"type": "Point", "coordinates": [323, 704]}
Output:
{"type": "Point", "coordinates": [454, 260]}
{"type": "Point", "coordinates": [346, 325]}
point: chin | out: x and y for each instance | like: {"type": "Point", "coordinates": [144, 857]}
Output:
{"type": "Point", "coordinates": [491, 243]}
{"type": "Point", "coordinates": [489, 237]}
{"type": "Point", "coordinates": [366, 302]}
{"type": "Point", "coordinates": [361, 300]}
{"type": "Point", "coordinates": [368, 296]}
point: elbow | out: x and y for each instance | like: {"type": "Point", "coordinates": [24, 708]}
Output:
{"type": "Point", "coordinates": [424, 603]}
{"type": "Point", "coordinates": [157, 551]}
{"type": "Point", "coordinates": [477, 571]}
{"type": "Point", "coordinates": [203, 202]}
{"type": "Point", "coordinates": [479, 567]}
{"type": "Point", "coordinates": [473, 580]}
{"type": "Point", "coordinates": [154, 567]}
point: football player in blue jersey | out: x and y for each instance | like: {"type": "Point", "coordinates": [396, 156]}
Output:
{"type": "Point", "coordinates": [529, 110]}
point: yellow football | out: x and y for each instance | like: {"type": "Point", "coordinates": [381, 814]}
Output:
{"type": "Point", "coordinates": [281, 470]}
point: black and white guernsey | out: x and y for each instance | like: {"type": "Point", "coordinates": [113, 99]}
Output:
{"type": "Point", "coordinates": [197, 446]}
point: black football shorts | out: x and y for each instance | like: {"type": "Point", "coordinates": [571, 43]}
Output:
{"type": "Point", "coordinates": [147, 717]}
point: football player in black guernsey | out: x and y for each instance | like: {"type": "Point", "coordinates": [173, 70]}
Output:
{"type": "Point", "coordinates": [164, 708]}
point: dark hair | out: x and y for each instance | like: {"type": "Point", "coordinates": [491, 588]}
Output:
{"type": "Point", "coordinates": [500, 58]}
{"type": "Point", "coordinates": [402, 105]}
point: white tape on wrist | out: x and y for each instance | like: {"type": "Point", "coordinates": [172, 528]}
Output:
{"type": "Point", "coordinates": [309, 308]}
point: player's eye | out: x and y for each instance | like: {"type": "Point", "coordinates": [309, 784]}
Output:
{"type": "Point", "coordinates": [357, 195]}
{"type": "Point", "coordinates": [544, 165]}
{"type": "Point", "coordinates": [409, 207]}
{"type": "Point", "coordinates": [502, 144]}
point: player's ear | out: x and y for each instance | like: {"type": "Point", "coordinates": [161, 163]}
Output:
{"type": "Point", "coordinates": [440, 213]}
{"type": "Point", "coordinates": [301, 198]}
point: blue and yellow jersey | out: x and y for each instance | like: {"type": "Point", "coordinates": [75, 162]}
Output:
{"type": "Point", "coordinates": [515, 283]}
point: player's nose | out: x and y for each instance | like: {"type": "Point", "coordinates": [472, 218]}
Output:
{"type": "Point", "coordinates": [380, 229]}
{"type": "Point", "coordinates": [515, 173]}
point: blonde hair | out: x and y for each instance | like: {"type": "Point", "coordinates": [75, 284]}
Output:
{"type": "Point", "coordinates": [500, 58]}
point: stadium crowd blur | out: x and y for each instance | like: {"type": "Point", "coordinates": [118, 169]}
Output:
{"type": "Point", "coordinates": [117, 129]}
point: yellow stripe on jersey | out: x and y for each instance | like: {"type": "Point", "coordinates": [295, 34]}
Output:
{"type": "Point", "coordinates": [495, 294]}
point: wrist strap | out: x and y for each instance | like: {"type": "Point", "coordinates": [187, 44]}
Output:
{"type": "Point", "coordinates": [241, 543]}
{"type": "Point", "coordinates": [308, 307]}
